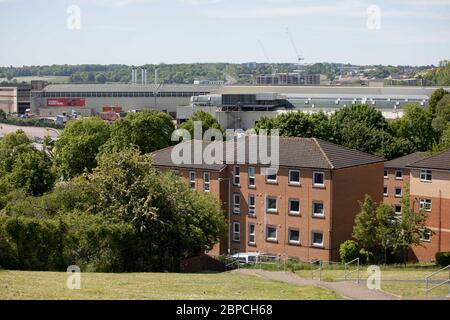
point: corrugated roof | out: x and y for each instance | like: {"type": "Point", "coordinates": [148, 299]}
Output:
{"type": "Point", "coordinates": [402, 162]}
{"type": "Point", "coordinates": [440, 161]}
{"type": "Point", "coordinates": [293, 152]}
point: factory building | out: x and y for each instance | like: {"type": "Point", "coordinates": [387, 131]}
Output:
{"type": "Point", "coordinates": [234, 106]}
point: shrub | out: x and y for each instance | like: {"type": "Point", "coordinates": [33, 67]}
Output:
{"type": "Point", "coordinates": [349, 250]}
{"type": "Point", "coordinates": [443, 258]}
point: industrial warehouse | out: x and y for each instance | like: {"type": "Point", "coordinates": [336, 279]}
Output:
{"type": "Point", "coordinates": [234, 106]}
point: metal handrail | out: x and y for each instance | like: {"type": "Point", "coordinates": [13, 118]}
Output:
{"type": "Point", "coordinates": [347, 272]}
{"type": "Point", "coordinates": [319, 268]}
{"type": "Point", "coordinates": [427, 280]}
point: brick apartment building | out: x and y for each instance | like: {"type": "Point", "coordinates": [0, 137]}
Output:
{"type": "Point", "coordinates": [430, 191]}
{"type": "Point", "coordinates": [396, 178]}
{"type": "Point", "coordinates": [304, 211]}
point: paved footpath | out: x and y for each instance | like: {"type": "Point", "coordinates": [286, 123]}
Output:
{"type": "Point", "coordinates": [347, 289]}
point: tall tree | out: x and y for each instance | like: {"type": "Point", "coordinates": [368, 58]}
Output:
{"type": "Point", "coordinates": [207, 122]}
{"type": "Point", "coordinates": [148, 130]}
{"type": "Point", "coordinates": [437, 95]}
{"type": "Point", "coordinates": [79, 144]}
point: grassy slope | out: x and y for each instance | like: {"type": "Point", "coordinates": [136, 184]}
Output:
{"type": "Point", "coordinates": [52, 285]}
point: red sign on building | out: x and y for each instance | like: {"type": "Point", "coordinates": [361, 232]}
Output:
{"type": "Point", "coordinates": [66, 102]}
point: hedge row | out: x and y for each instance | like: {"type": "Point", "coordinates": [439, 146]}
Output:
{"type": "Point", "coordinates": [88, 241]}
{"type": "Point", "coordinates": [31, 123]}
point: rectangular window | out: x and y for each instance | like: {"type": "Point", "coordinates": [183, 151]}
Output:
{"type": "Point", "coordinates": [251, 205]}
{"type": "Point", "coordinates": [236, 203]}
{"type": "Point", "coordinates": [271, 204]}
{"type": "Point", "coordinates": [294, 236]}
{"type": "Point", "coordinates": [271, 176]}
{"type": "Point", "coordinates": [385, 191]}
{"type": "Point", "coordinates": [318, 179]}
{"type": "Point", "coordinates": [426, 175]}
{"type": "Point", "coordinates": [237, 176]}
{"type": "Point", "coordinates": [294, 177]}
{"type": "Point", "coordinates": [236, 231]}
{"type": "Point", "coordinates": [206, 183]}
{"type": "Point", "coordinates": [271, 233]}
{"type": "Point", "coordinates": [317, 239]}
{"type": "Point", "coordinates": [425, 235]}
{"type": "Point", "coordinates": [385, 174]}
{"type": "Point", "coordinates": [251, 233]}
{"type": "Point", "coordinates": [399, 174]}
{"type": "Point", "coordinates": [318, 209]}
{"type": "Point", "coordinates": [398, 209]}
{"type": "Point", "coordinates": [192, 179]}
{"type": "Point", "coordinates": [398, 192]}
{"type": "Point", "coordinates": [251, 176]}
{"type": "Point", "coordinates": [425, 204]}
{"type": "Point", "coordinates": [294, 206]}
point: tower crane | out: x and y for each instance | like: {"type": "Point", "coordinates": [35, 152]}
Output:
{"type": "Point", "coordinates": [298, 55]}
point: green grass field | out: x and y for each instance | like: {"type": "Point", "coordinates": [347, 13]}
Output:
{"type": "Point", "coordinates": [173, 286]}
{"type": "Point", "coordinates": [392, 279]}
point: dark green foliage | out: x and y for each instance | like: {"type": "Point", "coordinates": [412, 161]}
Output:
{"type": "Point", "coordinates": [78, 145]}
{"type": "Point", "coordinates": [30, 122]}
{"type": "Point", "coordinates": [207, 120]}
{"type": "Point", "coordinates": [442, 258]}
{"type": "Point", "coordinates": [147, 130]}
{"type": "Point", "coordinates": [437, 95]}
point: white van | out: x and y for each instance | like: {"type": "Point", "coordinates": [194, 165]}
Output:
{"type": "Point", "coordinates": [247, 257]}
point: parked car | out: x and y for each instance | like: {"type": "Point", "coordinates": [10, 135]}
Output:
{"type": "Point", "coordinates": [247, 257]}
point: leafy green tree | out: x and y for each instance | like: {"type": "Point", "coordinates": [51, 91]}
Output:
{"type": "Point", "coordinates": [2, 115]}
{"type": "Point", "coordinates": [444, 143]}
{"type": "Point", "coordinates": [416, 127]}
{"type": "Point", "coordinates": [410, 225]}
{"type": "Point", "coordinates": [32, 172]}
{"type": "Point", "coordinates": [79, 144]}
{"type": "Point", "coordinates": [148, 130]}
{"type": "Point", "coordinates": [365, 228]}
{"type": "Point", "coordinates": [11, 146]}
{"type": "Point", "coordinates": [442, 114]}
{"type": "Point", "coordinates": [207, 120]}
{"type": "Point", "coordinates": [349, 250]}
{"type": "Point", "coordinates": [386, 228]}
{"type": "Point", "coordinates": [437, 95]}
{"type": "Point", "coordinates": [100, 78]}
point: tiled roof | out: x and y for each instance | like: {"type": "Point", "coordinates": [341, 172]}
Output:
{"type": "Point", "coordinates": [440, 161]}
{"type": "Point", "coordinates": [293, 152]}
{"type": "Point", "coordinates": [402, 162]}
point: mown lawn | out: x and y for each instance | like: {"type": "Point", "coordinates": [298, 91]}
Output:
{"type": "Point", "coordinates": [173, 286]}
{"type": "Point", "coordinates": [392, 279]}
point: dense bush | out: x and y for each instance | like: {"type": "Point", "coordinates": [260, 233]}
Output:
{"type": "Point", "coordinates": [443, 258]}
{"type": "Point", "coordinates": [349, 250]}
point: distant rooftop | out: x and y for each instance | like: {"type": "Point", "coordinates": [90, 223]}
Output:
{"type": "Point", "coordinates": [402, 162]}
{"type": "Point", "coordinates": [439, 161]}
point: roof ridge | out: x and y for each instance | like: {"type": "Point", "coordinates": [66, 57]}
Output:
{"type": "Point", "coordinates": [429, 157]}
{"type": "Point", "coordinates": [350, 149]}
{"type": "Point", "coordinates": [323, 152]}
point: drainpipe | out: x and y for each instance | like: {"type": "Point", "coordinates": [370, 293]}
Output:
{"type": "Point", "coordinates": [440, 221]}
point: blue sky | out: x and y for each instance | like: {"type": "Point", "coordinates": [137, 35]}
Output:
{"type": "Point", "coordinates": [413, 32]}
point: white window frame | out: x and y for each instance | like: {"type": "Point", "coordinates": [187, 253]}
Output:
{"type": "Point", "coordinates": [236, 176]}
{"type": "Point", "coordinates": [236, 234]}
{"type": "Point", "coordinates": [423, 202]}
{"type": "Point", "coordinates": [395, 209]}
{"type": "Point", "coordinates": [289, 236]}
{"type": "Point", "coordinates": [315, 214]}
{"type": "Point", "coordinates": [398, 178]}
{"type": "Point", "coordinates": [424, 175]}
{"type": "Point", "coordinates": [236, 204]}
{"type": "Point", "coordinates": [318, 245]}
{"type": "Point", "coordinates": [251, 176]}
{"type": "Point", "coordinates": [289, 206]}
{"type": "Point", "coordinates": [386, 174]}
{"type": "Point", "coordinates": [294, 183]}
{"type": "Point", "coordinates": [424, 232]}
{"type": "Point", "coordinates": [206, 184]}
{"type": "Point", "coordinates": [252, 208]}
{"type": "Point", "coordinates": [401, 193]}
{"type": "Point", "coordinates": [252, 234]}
{"type": "Point", "coordinates": [193, 183]}
{"type": "Point", "coordinates": [267, 233]}
{"type": "Point", "coordinates": [314, 179]}
{"type": "Point", "coordinates": [267, 204]}
{"type": "Point", "coordinates": [386, 194]}
{"type": "Point", "coordinates": [268, 170]}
